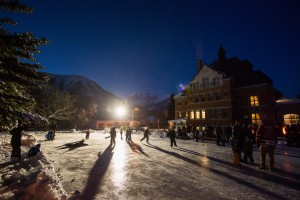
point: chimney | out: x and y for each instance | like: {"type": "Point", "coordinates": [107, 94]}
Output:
{"type": "Point", "coordinates": [200, 65]}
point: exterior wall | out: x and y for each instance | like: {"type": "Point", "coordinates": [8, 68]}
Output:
{"type": "Point", "coordinates": [212, 96]}
{"type": "Point", "coordinates": [222, 102]}
{"type": "Point", "coordinates": [266, 99]}
{"type": "Point", "coordinates": [287, 108]}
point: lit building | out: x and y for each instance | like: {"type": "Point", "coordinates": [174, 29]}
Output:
{"type": "Point", "coordinates": [225, 91]}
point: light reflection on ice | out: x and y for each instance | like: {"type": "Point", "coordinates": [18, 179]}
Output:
{"type": "Point", "coordinates": [118, 161]}
{"type": "Point", "coordinates": [204, 161]}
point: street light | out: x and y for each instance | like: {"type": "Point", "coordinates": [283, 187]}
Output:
{"type": "Point", "coordinates": [120, 112]}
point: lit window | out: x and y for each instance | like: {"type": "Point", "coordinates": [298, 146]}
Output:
{"type": "Point", "coordinates": [179, 114]}
{"type": "Point", "coordinates": [197, 114]}
{"type": "Point", "coordinates": [192, 115]}
{"type": "Point", "coordinates": [186, 114]}
{"type": "Point", "coordinates": [291, 119]}
{"type": "Point", "coordinates": [255, 118]}
{"type": "Point", "coordinates": [254, 101]}
{"type": "Point", "coordinates": [203, 114]}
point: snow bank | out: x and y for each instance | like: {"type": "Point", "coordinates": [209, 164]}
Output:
{"type": "Point", "coordinates": [29, 179]}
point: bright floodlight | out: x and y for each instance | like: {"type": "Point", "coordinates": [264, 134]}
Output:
{"type": "Point", "coordinates": [120, 111]}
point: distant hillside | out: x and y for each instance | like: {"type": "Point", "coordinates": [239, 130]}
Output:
{"type": "Point", "coordinates": [87, 91]}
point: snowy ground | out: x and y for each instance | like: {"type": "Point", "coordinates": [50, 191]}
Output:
{"type": "Point", "coordinates": [137, 170]}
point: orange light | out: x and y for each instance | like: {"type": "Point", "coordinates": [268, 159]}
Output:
{"type": "Point", "coordinates": [283, 130]}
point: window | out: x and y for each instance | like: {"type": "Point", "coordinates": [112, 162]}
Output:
{"type": "Point", "coordinates": [218, 95]}
{"type": "Point", "coordinates": [196, 99]}
{"type": "Point", "coordinates": [291, 119]}
{"type": "Point", "coordinates": [254, 101]}
{"type": "Point", "coordinates": [225, 94]}
{"type": "Point", "coordinates": [209, 95]}
{"type": "Point", "coordinates": [202, 97]}
{"type": "Point", "coordinates": [186, 114]}
{"type": "Point", "coordinates": [203, 114]}
{"type": "Point", "coordinates": [224, 113]}
{"type": "Point", "coordinates": [197, 114]}
{"type": "Point", "coordinates": [255, 118]}
{"type": "Point", "coordinates": [192, 116]}
{"type": "Point", "coordinates": [179, 103]}
{"type": "Point", "coordinates": [205, 82]}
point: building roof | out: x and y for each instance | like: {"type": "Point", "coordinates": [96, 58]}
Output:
{"type": "Point", "coordinates": [241, 71]}
{"type": "Point", "coordinates": [288, 101]}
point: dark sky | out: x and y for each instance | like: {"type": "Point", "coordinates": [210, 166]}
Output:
{"type": "Point", "coordinates": [153, 45]}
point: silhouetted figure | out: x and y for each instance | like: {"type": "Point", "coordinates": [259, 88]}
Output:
{"type": "Point", "coordinates": [146, 135]}
{"type": "Point", "coordinates": [16, 140]}
{"type": "Point", "coordinates": [172, 137]}
{"type": "Point", "coordinates": [247, 143]}
{"type": "Point", "coordinates": [219, 133]}
{"type": "Point", "coordinates": [228, 131]}
{"type": "Point", "coordinates": [53, 128]}
{"type": "Point", "coordinates": [266, 139]}
{"type": "Point", "coordinates": [34, 150]}
{"type": "Point", "coordinates": [197, 133]}
{"type": "Point", "coordinates": [87, 134]}
{"type": "Point", "coordinates": [113, 135]}
{"type": "Point", "coordinates": [121, 133]}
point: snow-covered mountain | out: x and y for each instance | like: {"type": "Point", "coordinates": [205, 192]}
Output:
{"type": "Point", "coordinates": [76, 84]}
{"type": "Point", "coordinates": [87, 91]}
{"type": "Point", "coordinates": [149, 106]}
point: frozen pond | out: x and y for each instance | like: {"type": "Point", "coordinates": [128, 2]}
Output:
{"type": "Point", "coordinates": [138, 170]}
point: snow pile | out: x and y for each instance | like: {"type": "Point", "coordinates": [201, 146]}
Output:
{"type": "Point", "coordinates": [31, 178]}
{"type": "Point", "coordinates": [159, 133]}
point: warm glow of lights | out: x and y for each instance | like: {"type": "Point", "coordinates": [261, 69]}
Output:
{"type": "Point", "coordinates": [283, 130]}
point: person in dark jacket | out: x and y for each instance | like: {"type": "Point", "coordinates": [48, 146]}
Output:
{"type": "Point", "coordinates": [113, 135]}
{"type": "Point", "coordinates": [219, 133]}
{"type": "Point", "coordinates": [266, 139]}
{"type": "Point", "coordinates": [34, 150]}
{"type": "Point", "coordinates": [16, 140]}
{"type": "Point", "coordinates": [172, 137]}
{"type": "Point", "coordinates": [247, 143]}
{"type": "Point", "coordinates": [146, 135]}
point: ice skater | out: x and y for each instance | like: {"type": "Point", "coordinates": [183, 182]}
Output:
{"type": "Point", "coordinates": [146, 135]}
{"type": "Point", "coordinates": [113, 134]}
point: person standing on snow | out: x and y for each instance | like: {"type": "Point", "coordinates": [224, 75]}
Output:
{"type": "Point", "coordinates": [16, 139]}
{"type": "Point", "coordinates": [172, 134]}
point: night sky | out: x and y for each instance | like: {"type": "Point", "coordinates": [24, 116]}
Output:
{"type": "Point", "coordinates": [152, 46]}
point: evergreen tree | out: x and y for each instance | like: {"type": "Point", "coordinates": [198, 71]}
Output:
{"type": "Point", "coordinates": [19, 71]}
{"type": "Point", "coordinates": [171, 108]}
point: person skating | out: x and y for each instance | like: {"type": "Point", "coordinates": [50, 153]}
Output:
{"type": "Point", "coordinates": [113, 134]}
{"type": "Point", "coordinates": [146, 135]}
